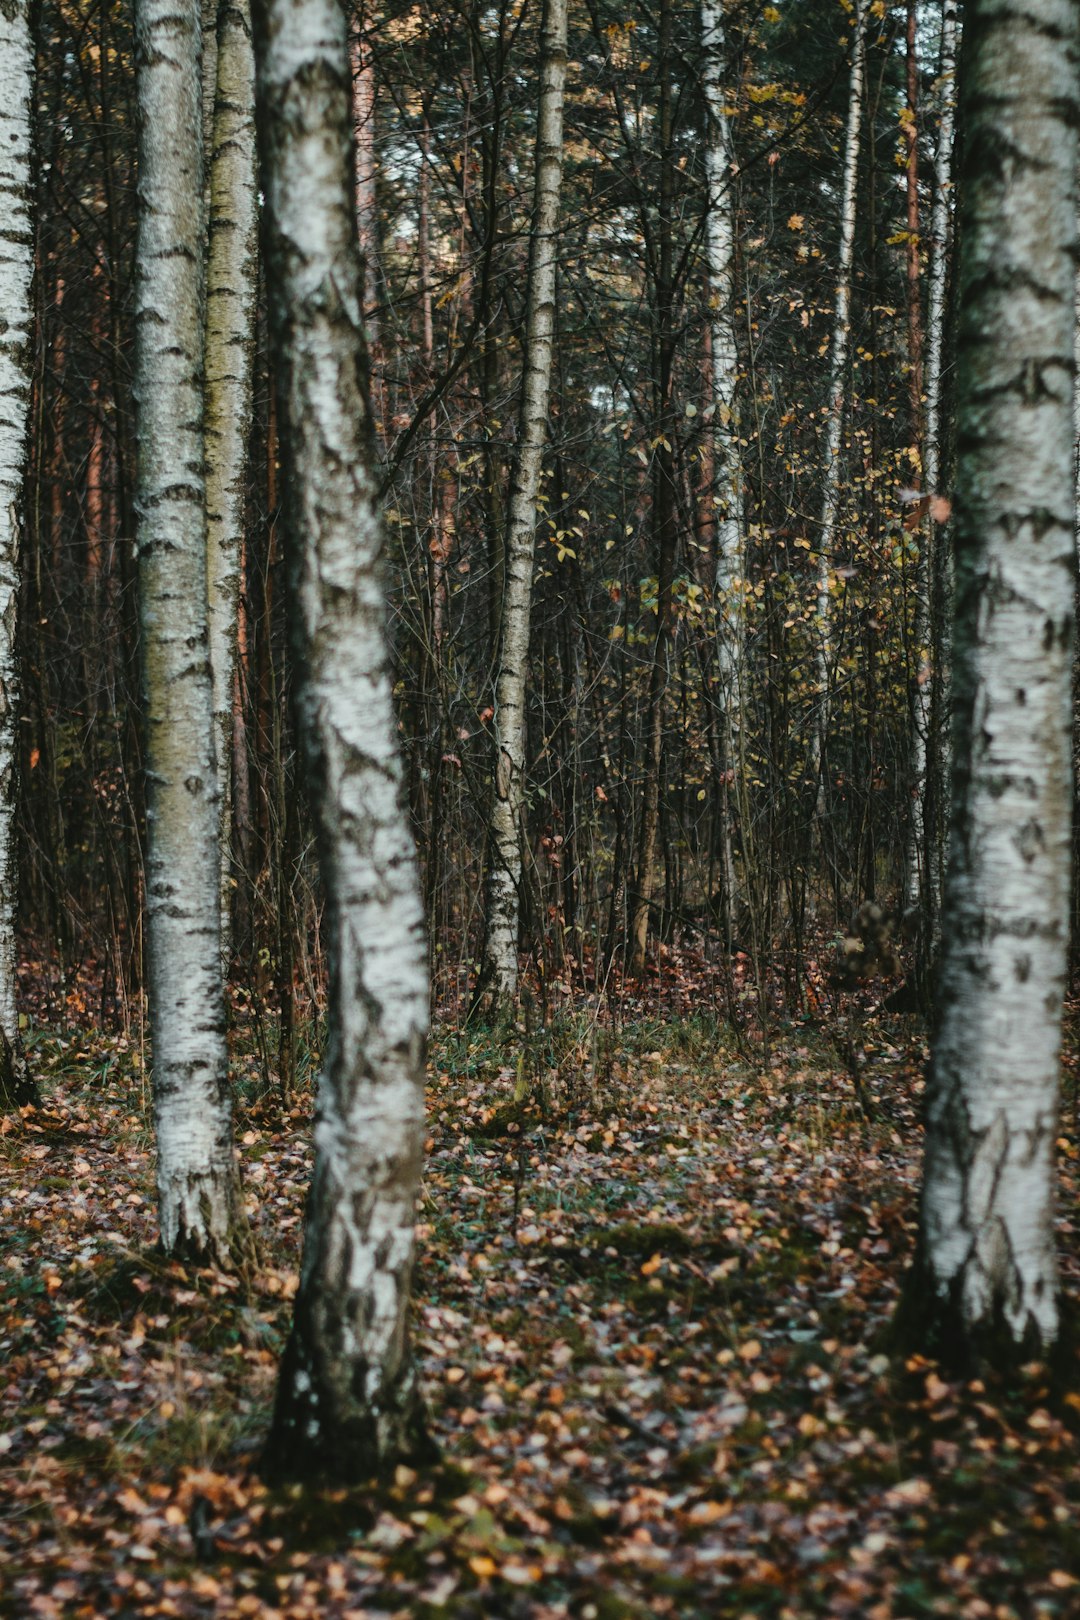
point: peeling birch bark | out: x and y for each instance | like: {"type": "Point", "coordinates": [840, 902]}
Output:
{"type": "Point", "coordinates": [497, 987]}
{"type": "Point", "coordinates": [347, 1402]}
{"type": "Point", "coordinates": [16, 333]}
{"type": "Point", "coordinates": [986, 1280]}
{"type": "Point", "coordinates": [231, 279]}
{"type": "Point", "coordinates": [838, 362]}
{"type": "Point", "coordinates": [199, 1207]}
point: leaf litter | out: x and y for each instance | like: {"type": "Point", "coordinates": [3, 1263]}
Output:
{"type": "Point", "coordinates": [655, 1273]}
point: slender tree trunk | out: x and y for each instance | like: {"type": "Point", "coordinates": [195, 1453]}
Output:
{"type": "Point", "coordinates": [921, 867]}
{"type": "Point", "coordinates": [94, 509]}
{"type": "Point", "coordinates": [367, 216]}
{"type": "Point", "coordinates": [913, 245]}
{"type": "Point", "coordinates": [939, 562]}
{"type": "Point", "coordinates": [838, 363]}
{"type": "Point", "coordinates": [367, 208]}
{"type": "Point", "coordinates": [241, 782]}
{"type": "Point", "coordinates": [423, 246]}
{"type": "Point", "coordinates": [720, 254]}
{"type": "Point", "coordinates": [986, 1281]}
{"type": "Point", "coordinates": [199, 1207]}
{"type": "Point", "coordinates": [16, 377]}
{"type": "Point", "coordinates": [497, 989]}
{"type": "Point", "coordinates": [347, 1402]}
{"type": "Point", "coordinates": [664, 513]}
{"type": "Point", "coordinates": [1074, 940]}
{"type": "Point", "coordinates": [209, 11]}
{"type": "Point", "coordinates": [230, 350]}
{"type": "Point", "coordinates": [727, 463]}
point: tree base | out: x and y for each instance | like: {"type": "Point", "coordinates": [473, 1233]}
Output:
{"type": "Point", "coordinates": [931, 1324]}
{"type": "Point", "coordinates": [17, 1087]}
{"type": "Point", "coordinates": [312, 1441]}
{"type": "Point", "coordinates": [222, 1237]}
{"type": "Point", "coordinates": [493, 1008]}
{"type": "Point", "coordinates": [237, 1254]}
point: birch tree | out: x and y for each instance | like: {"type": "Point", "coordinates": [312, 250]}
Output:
{"type": "Point", "coordinates": [497, 989]}
{"type": "Point", "coordinates": [720, 259]}
{"type": "Point", "coordinates": [16, 330]}
{"type": "Point", "coordinates": [986, 1276]}
{"type": "Point", "coordinates": [834, 432]}
{"type": "Point", "coordinates": [347, 1400]}
{"type": "Point", "coordinates": [230, 344]}
{"type": "Point", "coordinates": [199, 1209]}
{"type": "Point", "coordinates": [726, 462]}
{"type": "Point", "coordinates": [664, 499]}
{"type": "Point", "coordinates": [921, 866]}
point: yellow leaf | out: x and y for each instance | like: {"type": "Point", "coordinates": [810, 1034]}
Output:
{"type": "Point", "coordinates": [910, 1493]}
{"type": "Point", "coordinates": [709, 1512]}
{"type": "Point", "coordinates": [652, 1265]}
{"type": "Point", "coordinates": [520, 1574]}
{"type": "Point", "coordinates": [936, 1388]}
{"type": "Point", "coordinates": [132, 1502]}
{"type": "Point", "coordinates": [483, 1567]}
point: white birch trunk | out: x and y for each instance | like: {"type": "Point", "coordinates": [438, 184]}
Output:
{"type": "Point", "coordinates": [922, 878]}
{"type": "Point", "coordinates": [197, 1183]}
{"type": "Point", "coordinates": [16, 334]}
{"type": "Point", "coordinates": [720, 258]}
{"type": "Point", "coordinates": [729, 585]}
{"type": "Point", "coordinates": [838, 362]}
{"type": "Point", "coordinates": [231, 279]}
{"type": "Point", "coordinates": [347, 1402]}
{"type": "Point", "coordinates": [497, 989]}
{"type": "Point", "coordinates": [987, 1275]}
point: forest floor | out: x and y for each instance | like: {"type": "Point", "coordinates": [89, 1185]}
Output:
{"type": "Point", "coordinates": [656, 1267]}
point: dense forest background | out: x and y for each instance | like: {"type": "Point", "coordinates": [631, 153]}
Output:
{"type": "Point", "coordinates": [446, 134]}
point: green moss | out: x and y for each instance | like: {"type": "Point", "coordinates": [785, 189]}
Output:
{"type": "Point", "coordinates": [613, 1606]}
{"type": "Point", "coordinates": [647, 1238]}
